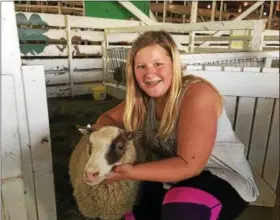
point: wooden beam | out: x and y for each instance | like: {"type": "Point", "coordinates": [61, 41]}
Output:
{"type": "Point", "coordinates": [221, 10]}
{"type": "Point", "coordinates": [270, 14]}
{"type": "Point", "coordinates": [194, 11]}
{"type": "Point", "coordinates": [152, 16]}
{"type": "Point", "coordinates": [239, 18]}
{"type": "Point", "coordinates": [249, 10]}
{"type": "Point", "coordinates": [138, 13]}
{"type": "Point", "coordinates": [213, 10]}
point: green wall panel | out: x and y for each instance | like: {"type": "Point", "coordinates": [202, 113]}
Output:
{"type": "Point", "coordinates": [112, 9]}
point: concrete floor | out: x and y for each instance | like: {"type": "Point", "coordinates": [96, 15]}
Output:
{"type": "Point", "coordinates": [258, 213]}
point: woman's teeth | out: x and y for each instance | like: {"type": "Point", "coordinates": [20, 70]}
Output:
{"type": "Point", "coordinates": [152, 83]}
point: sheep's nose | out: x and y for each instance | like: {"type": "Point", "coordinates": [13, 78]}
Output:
{"type": "Point", "coordinates": [91, 175]}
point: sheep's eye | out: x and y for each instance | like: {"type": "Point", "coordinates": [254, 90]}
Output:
{"type": "Point", "coordinates": [120, 147]}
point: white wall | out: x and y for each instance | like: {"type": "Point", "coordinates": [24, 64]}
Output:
{"type": "Point", "coordinates": [21, 191]}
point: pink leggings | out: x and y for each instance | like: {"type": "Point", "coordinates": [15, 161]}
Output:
{"type": "Point", "coordinates": [205, 197]}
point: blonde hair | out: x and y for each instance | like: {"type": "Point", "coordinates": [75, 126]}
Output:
{"type": "Point", "coordinates": [136, 101]}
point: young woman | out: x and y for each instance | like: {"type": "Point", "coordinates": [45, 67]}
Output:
{"type": "Point", "coordinates": [199, 160]}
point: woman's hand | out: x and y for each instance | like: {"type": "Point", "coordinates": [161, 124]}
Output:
{"type": "Point", "coordinates": [121, 172]}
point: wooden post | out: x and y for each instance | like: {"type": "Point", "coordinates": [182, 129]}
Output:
{"type": "Point", "coordinates": [221, 10]}
{"type": "Point", "coordinates": [193, 20]}
{"type": "Point", "coordinates": [240, 17]}
{"type": "Point", "coordinates": [213, 10]}
{"type": "Point", "coordinates": [138, 13]}
{"type": "Point", "coordinates": [164, 11]}
{"type": "Point", "coordinates": [270, 14]}
{"type": "Point", "coordinates": [17, 189]}
{"type": "Point", "coordinates": [194, 11]}
{"type": "Point", "coordinates": [261, 11]}
{"type": "Point", "coordinates": [184, 15]}
{"type": "Point", "coordinates": [70, 56]}
{"type": "Point", "coordinates": [257, 35]}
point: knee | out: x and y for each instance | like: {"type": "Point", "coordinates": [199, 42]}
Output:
{"type": "Point", "coordinates": [189, 203]}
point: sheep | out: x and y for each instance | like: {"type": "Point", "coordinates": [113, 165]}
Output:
{"type": "Point", "coordinates": [92, 160]}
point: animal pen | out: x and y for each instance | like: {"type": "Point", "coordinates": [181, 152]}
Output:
{"type": "Point", "coordinates": [51, 60]}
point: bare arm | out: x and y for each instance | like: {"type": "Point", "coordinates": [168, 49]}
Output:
{"type": "Point", "coordinates": [113, 116]}
{"type": "Point", "coordinates": [196, 133]}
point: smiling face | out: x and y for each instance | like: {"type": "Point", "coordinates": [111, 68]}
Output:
{"type": "Point", "coordinates": [153, 70]}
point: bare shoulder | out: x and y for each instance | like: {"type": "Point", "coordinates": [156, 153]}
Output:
{"type": "Point", "coordinates": [200, 95]}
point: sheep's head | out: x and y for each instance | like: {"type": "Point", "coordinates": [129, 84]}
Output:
{"type": "Point", "coordinates": [107, 147]}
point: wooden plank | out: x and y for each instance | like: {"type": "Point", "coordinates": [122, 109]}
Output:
{"type": "Point", "coordinates": [87, 50]}
{"type": "Point", "coordinates": [219, 49]}
{"type": "Point", "coordinates": [13, 199]}
{"type": "Point", "coordinates": [62, 91]}
{"type": "Point", "coordinates": [31, 34]}
{"type": "Point", "coordinates": [98, 36]}
{"type": "Point", "coordinates": [210, 57]}
{"type": "Point", "coordinates": [270, 70]}
{"type": "Point", "coordinates": [232, 68]}
{"type": "Point", "coordinates": [33, 50]}
{"type": "Point", "coordinates": [56, 65]}
{"type": "Point", "coordinates": [271, 167]}
{"type": "Point", "coordinates": [38, 123]}
{"type": "Point", "coordinates": [77, 76]}
{"type": "Point", "coordinates": [115, 91]}
{"type": "Point", "coordinates": [240, 84]}
{"type": "Point", "coordinates": [137, 12]}
{"type": "Point", "coordinates": [260, 133]}
{"type": "Point", "coordinates": [11, 173]}
{"type": "Point", "coordinates": [244, 120]}
{"type": "Point", "coordinates": [41, 19]}
{"type": "Point", "coordinates": [267, 196]}
{"type": "Point", "coordinates": [229, 105]}
{"type": "Point", "coordinates": [193, 67]}
{"type": "Point", "coordinates": [58, 91]}
{"type": "Point", "coordinates": [269, 32]}
{"type": "Point", "coordinates": [252, 69]}
{"type": "Point", "coordinates": [202, 26]}
{"type": "Point", "coordinates": [100, 23]}
{"type": "Point", "coordinates": [2, 208]}
{"type": "Point", "coordinates": [213, 68]}
{"type": "Point", "coordinates": [11, 64]}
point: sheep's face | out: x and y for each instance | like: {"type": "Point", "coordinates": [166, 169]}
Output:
{"type": "Point", "coordinates": [106, 148]}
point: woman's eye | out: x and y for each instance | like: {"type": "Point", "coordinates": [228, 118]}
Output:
{"type": "Point", "coordinates": [158, 64]}
{"type": "Point", "coordinates": [140, 67]}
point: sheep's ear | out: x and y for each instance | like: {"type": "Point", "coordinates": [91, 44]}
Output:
{"type": "Point", "coordinates": [86, 130]}
{"type": "Point", "coordinates": [132, 135]}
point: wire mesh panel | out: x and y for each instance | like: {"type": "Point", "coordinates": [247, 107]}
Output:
{"type": "Point", "coordinates": [116, 63]}
{"type": "Point", "coordinates": [116, 59]}
{"type": "Point", "coordinates": [243, 62]}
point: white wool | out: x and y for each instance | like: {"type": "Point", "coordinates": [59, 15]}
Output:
{"type": "Point", "coordinates": [107, 201]}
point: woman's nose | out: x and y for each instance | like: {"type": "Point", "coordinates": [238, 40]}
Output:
{"type": "Point", "coordinates": [151, 70]}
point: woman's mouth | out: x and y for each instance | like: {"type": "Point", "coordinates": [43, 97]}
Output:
{"type": "Point", "coordinates": [152, 83]}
